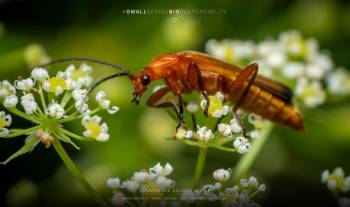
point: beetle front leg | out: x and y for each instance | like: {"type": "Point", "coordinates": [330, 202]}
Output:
{"type": "Point", "coordinates": [154, 101]}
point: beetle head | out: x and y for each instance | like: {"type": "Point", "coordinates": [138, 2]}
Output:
{"type": "Point", "coordinates": [141, 81]}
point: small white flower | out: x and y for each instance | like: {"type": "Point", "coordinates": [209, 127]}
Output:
{"type": "Point", "coordinates": [310, 92]}
{"type": "Point", "coordinates": [325, 176]}
{"type": "Point", "coordinates": [5, 121]}
{"type": "Point", "coordinates": [262, 187]}
{"type": "Point", "coordinates": [113, 183]}
{"type": "Point", "coordinates": [56, 85]}
{"type": "Point", "coordinates": [315, 71]}
{"type": "Point", "coordinates": [159, 170]}
{"type": "Point", "coordinates": [10, 101]}
{"type": "Point", "coordinates": [55, 110]}
{"type": "Point", "coordinates": [130, 185]}
{"type": "Point", "coordinates": [118, 199]}
{"type": "Point", "coordinates": [163, 182]}
{"type": "Point", "coordinates": [293, 70]}
{"type": "Point", "coordinates": [183, 133]}
{"type": "Point", "coordinates": [25, 84]}
{"type": "Point", "coordinates": [235, 126]}
{"type": "Point", "coordinates": [141, 177]}
{"type": "Point", "coordinates": [192, 107]}
{"type": "Point", "coordinates": [40, 74]}
{"type": "Point", "coordinates": [6, 89]}
{"type": "Point", "coordinates": [225, 129]}
{"type": "Point", "coordinates": [79, 94]}
{"type": "Point", "coordinates": [204, 134]}
{"type": "Point", "coordinates": [338, 82]}
{"type": "Point", "coordinates": [242, 145]}
{"type": "Point", "coordinates": [105, 103]}
{"type": "Point", "coordinates": [220, 96]}
{"type": "Point", "coordinates": [76, 78]}
{"type": "Point", "coordinates": [94, 128]}
{"type": "Point", "coordinates": [82, 107]}
{"type": "Point", "coordinates": [222, 174]}
{"type": "Point", "coordinates": [28, 103]}
{"type": "Point", "coordinates": [254, 134]}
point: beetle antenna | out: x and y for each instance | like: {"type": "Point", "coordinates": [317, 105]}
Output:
{"type": "Point", "coordinates": [93, 87]}
{"type": "Point", "coordinates": [86, 60]}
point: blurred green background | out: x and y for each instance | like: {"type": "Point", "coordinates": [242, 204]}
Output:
{"type": "Point", "coordinates": [290, 163]}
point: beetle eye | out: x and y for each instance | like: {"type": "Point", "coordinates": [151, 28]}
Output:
{"type": "Point", "coordinates": [145, 80]}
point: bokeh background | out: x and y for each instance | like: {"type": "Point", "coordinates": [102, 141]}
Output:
{"type": "Point", "coordinates": [290, 162]}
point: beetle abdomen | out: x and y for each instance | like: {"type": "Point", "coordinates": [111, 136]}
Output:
{"type": "Point", "coordinates": [271, 107]}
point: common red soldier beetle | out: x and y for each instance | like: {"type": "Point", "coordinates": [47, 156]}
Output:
{"type": "Point", "coordinates": [184, 72]}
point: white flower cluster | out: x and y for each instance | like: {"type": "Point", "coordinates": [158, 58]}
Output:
{"type": "Point", "coordinates": [50, 102]}
{"type": "Point", "coordinates": [216, 108]}
{"type": "Point", "coordinates": [336, 181]}
{"type": "Point", "coordinates": [231, 130]}
{"type": "Point", "coordinates": [339, 184]}
{"type": "Point", "coordinates": [291, 57]}
{"type": "Point", "coordinates": [152, 182]}
{"type": "Point", "coordinates": [237, 195]}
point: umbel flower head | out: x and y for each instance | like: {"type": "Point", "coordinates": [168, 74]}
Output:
{"type": "Point", "coordinates": [291, 58]}
{"type": "Point", "coordinates": [226, 133]}
{"type": "Point", "coordinates": [153, 182]}
{"type": "Point", "coordinates": [50, 103]}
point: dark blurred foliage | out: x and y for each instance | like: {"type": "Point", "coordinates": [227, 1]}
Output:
{"type": "Point", "coordinates": [290, 163]}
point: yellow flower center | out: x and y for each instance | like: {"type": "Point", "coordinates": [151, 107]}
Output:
{"type": "Point", "coordinates": [57, 82]}
{"type": "Point", "coordinates": [79, 74]}
{"type": "Point", "coordinates": [309, 92]}
{"type": "Point", "coordinates": [215, 104]}
{"type": "Point", "coordinates": [94, 128]}
{"type": "Point", "coordinates": [229, 53]}
{"type": "Point", "coordinates": [2, 123]}
{"type": "Point", "coordinates": [299, 43]}
{"type": "Point", "coordinates": [339, 181]}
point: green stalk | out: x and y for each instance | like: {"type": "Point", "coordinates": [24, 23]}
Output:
{"type": "Point", "coordinates": [42, 98]}
{"type": "Point", "coordinates": [76, 173]}
{"type": "Point", "coordinates": [24, 115]}
{"type": "Point", "coordinates": [23, 131]}
{"type": "Point", "coordinates": [199, 166]}
{"type": "Point", "coordinates": [73, 135]}
{"type": "Point", "coordinates": [247, 160]}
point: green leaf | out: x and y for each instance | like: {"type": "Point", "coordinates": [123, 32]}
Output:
{"type": "Point", "coordinates": [30, 142]}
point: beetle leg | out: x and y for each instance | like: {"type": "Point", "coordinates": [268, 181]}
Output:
{"type": "Point", "coordinates": [194, 70]}
{"type": "Point", "coordinates": [240, 88]}
{"type": "Point", "coordinates": [153, 101]}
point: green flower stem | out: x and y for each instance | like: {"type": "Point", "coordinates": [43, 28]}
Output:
{"type": "Point", "coordinates": [73, 117]}
{"type": "Point", "coordinates": [226, 149]}
{"type": "Point", "coordinates": [199, 166]}
{"type": "Point", "coordinates": [76, 173]}
{"type": "Point", "coordinates": [23, 131]}
{"type": "Point", "coordinates": [67, 96]}
{"type": "Point", "coordinates": [71, 134]}
{"type": "Point", "coordinates": [247, 160]}
{"type": "Point", "coordinates": [24, 115]}
{"type": "Point", "coordinates": [42, 98]}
